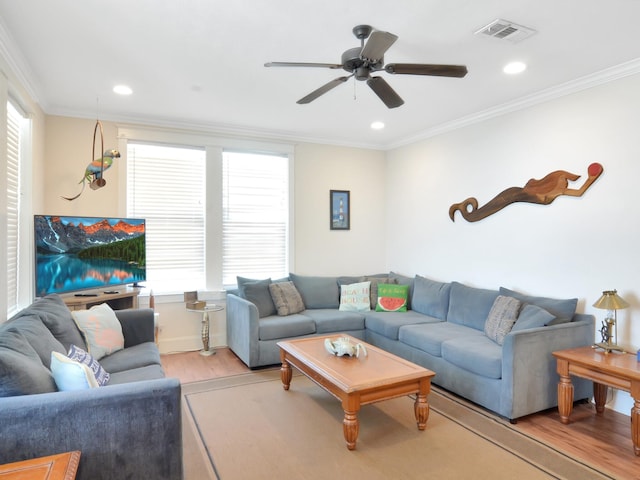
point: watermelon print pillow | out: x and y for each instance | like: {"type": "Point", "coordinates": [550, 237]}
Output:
{"type": "Point", "coordinates": [392, 298]}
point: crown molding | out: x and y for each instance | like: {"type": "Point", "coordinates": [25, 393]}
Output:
{"type": "Point", "coordinates": [18, 66]}
{"type": "Point", "coordinates": [611, 74]}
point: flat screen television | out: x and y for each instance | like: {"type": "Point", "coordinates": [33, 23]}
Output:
{"type": "Point", "coordinates": [82, 253]}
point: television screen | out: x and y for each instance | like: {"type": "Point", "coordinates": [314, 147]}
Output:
{"type": "Point", "coordinates": [79, 253]}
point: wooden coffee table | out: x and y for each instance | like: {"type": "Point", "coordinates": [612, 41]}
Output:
{"type": "Point", "coordinates": [357, 381]}
{"type": "Point", "coordinates": [55, 467]}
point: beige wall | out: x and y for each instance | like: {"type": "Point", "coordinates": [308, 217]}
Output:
{"type": "Point", "coordinates": [69, 146]}
{"type": "Point", "coordinates": [319, 250]}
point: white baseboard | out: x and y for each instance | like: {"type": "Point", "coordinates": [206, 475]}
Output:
{"type": "Point", "coordinates": [187, 344]}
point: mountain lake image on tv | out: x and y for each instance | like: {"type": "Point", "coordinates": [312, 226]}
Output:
{"type": "Point", "coordinates": [81, 253]}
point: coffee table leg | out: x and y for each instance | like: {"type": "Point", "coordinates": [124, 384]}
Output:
{"type": "Point", "coordinates": [421, 408]}
{"type": "Point", "coordinates": [351, 427]}
{"type": "Point", "coordinates": [635, 425]}
{"type": "Point", "coordinates": [285, 371]}
{"type": "Point", "coordinates": [600, 396]}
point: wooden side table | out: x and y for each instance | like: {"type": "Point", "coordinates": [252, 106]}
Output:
{"type": "Point", "coordinates": [617, 370]}
{"type": "Point", "coordinates": [55, 467]}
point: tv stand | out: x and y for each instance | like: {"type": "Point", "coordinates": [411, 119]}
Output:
{"type": "Point", "coordinates": [124, 297]}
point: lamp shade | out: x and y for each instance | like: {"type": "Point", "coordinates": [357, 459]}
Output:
{"type": "Point", "coordinates": [610, 301]}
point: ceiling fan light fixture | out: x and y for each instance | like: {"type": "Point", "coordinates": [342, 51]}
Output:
{"type": "Point", "coordinates": [513, 68]}
{"type": "Point", "coordinates": [377, 125]}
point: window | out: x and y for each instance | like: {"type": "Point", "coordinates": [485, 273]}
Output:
{"type": "Point", "coordinates": [255, 209]}
{"type": "Point", "coordinates": [166, 186]}
{"type": "Point", "coordinates": [16, 125]}
{"type": "Point", "coordinates": [216, 208]}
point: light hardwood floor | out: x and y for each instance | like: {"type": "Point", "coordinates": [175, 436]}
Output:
{"type": "Point", "coordinates": [600, 440]}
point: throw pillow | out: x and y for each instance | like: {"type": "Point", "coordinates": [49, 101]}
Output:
{"type": "Point", "coordinates": [392, 298]}
{"type": "Point", "coordinates": [286, 298]}
{"type": "Point", "coordinates": [101, 328]}
{"type": "Point", "coordinates": [375, 281]}
{"type": "Point", "coordinates": [562, 309]}
{"type": "Point", "coordinates": [258, 293]}
{"type": "Point", "coordinates": [79, 355]}
{"type": "Point", "coordinates": [71, 375]}
{"type": "Point", "coordinates": [532, 316]}
{"type": "Point", "coordinates": [355, 297]}
{"type": "Point", "coordinates": [502, 316]}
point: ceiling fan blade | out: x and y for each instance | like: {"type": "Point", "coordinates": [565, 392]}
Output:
{"type": "Point", "coordinates": [377, 45]}
{"type": "Point", "coordinates": [302, 64]}
{"type": "Point", "coordinates": [387, 94]}
{"type": "Point", "coordinates": [323, 89]}
{"type": "Point", "coordinates": [457, 71]}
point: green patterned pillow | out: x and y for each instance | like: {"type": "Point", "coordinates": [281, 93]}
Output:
{"type": "Point", "coordinates": [392, 298]}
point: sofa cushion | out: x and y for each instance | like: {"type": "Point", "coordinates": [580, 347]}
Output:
{"type": "Point", "coordinates": [70, 374]}
{"type": "Point", "coordinates": [132, 357]}
{"type": "Point", "coordinates": [387, 324]}
{"type": "Point", "coordinates": [501, 318]}
{"type": "Point", "coordinates": [317, 292]}
{"type": "Point", "coordinates": [430, 337]}
{"type": "Point", "coordinates": [258, 293]}
{"type": "Point", "coordinates": [430, 297]}
{"type": "Point", "coordinates": [56, 316]}
{"type": "Point", "coordinates": [355, 297]}
{"type": "Point", "coordinates": [38, 336]}
{"type": "Point", "coordinates": [330, 320]}
{"type": "Point", "coordinates": [101, 329]}
{"type": "Point", "coordinates": [470, 306]}
{"type": "Point", "coordinates": [477, 354]}
{"type": "Point", "coordinates": [79, 355]}
{"type": "Point", "coordinates": [562, 309]}
{"type": "Point", "coordinates": [392, 298]}
{"type": "Point", "coordinates": [150, 372]}
{"type": "Point", "coordinates": [532, 316]}
{"type": "Point", "coordinates": [21, 370]}
{"type": "Point", "coordinates": [286, 298]}
{"type": "Point", "coordinates": [277, 327]}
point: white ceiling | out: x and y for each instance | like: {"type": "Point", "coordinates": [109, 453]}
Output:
{"type": "Point", "coordinates": [199, 63]}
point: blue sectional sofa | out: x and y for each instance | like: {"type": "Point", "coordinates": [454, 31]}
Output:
{"type": "Point", "coordinates": [448, 328]}
{"type": "Point", "coordinates": [130, 428]}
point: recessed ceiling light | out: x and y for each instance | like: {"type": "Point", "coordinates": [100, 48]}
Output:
{"type": "Point", "coordinates": [514, 68]}
{"type": "Point", "coordinates": [377, 125]}
{"type": "Point", "coordinates": [122, 90]}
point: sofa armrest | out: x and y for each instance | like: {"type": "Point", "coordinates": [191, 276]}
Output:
{"type": "Point", "coordinates": [123, 431]}
{"type": "Point", "coordinates": [529, 367]}
{"type": "Point", "coordinates": [137, 325]}
{"type": "Point", "coordinates": [242, 329]}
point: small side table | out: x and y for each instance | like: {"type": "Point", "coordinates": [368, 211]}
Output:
{"type": "Point", "coordinates": [617, 370]}
{"type": "Point", "coordinates": [55, 467]}
{"type": "Point", "coordinates": [206, 350]}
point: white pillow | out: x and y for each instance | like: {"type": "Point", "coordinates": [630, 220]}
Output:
{"type": "Point", "coordinates": [71, 375]}
{"type": "Point", "coordinates": [355, 297]}
{"type": "Point", "coordinates": [101, 329]}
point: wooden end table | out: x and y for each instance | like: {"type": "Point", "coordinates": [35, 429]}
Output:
{"type": "Point", "coordinates": [617, 370]}
{"type": "Point", "coordinates": [54, 467]}
{"type": "Point", "coordinates": [357, 381]}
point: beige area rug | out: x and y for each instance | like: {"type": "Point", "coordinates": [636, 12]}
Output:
{"type": "Point", "coordinates": [248, 426]}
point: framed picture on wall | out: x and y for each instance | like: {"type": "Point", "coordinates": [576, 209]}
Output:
{"type": "Point", "coordinates": [340, 209]}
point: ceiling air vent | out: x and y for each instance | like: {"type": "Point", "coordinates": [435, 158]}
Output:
{"type": "Point", "coordinates": [506, 30]}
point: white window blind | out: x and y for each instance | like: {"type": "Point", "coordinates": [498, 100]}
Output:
{"type": "Point", "coordinates": [255, 209]}
{"type": "Point", "coordinates": [166, 187]}
{"type": "Point", "coordinates": [14, 127]}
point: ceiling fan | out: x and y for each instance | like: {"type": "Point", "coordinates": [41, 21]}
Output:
{"type": "Point", "coordinates": [368, 58]}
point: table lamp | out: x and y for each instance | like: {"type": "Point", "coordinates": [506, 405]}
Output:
{"type": "Point", "coordinates": [611, 302]}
